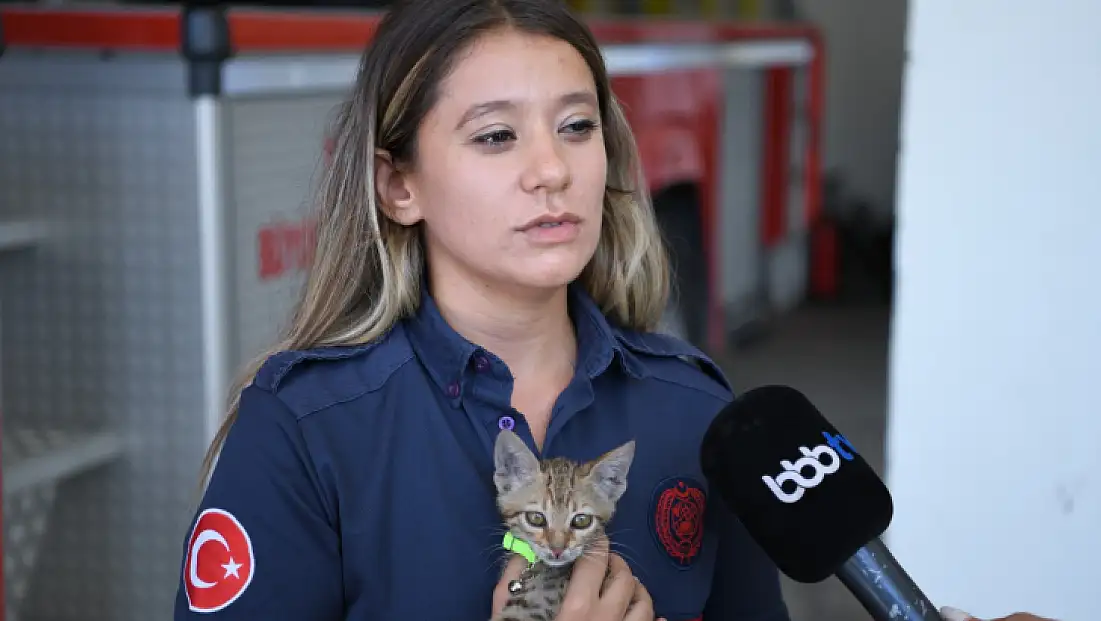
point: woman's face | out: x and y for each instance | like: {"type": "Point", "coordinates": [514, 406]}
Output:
{"type": "Point", "coordinates": [511, 167]}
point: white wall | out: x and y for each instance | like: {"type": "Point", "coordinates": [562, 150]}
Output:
{"type": "Point", "coordinates": [995, 424]}
{"type": "Point", "coordinates": [864, 60]}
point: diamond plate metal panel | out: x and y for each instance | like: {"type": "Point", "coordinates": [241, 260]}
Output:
{"type": "Point", "coordinates": [25, 519]}
{"type": "Point", "coordinates": [101, 323]}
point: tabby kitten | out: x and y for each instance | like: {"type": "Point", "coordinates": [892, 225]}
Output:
{"type": "Point", "coordinates": [559, 507]}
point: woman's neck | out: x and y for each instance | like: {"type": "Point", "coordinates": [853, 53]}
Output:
{"type": "Point", "coordinates": [531, 333]}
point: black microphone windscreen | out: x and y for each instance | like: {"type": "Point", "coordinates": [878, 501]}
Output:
{"type": "Point", "coordinates": [796, 484]}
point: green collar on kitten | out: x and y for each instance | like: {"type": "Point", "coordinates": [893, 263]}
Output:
{"type": "Point", "coordinates": [520, 547]}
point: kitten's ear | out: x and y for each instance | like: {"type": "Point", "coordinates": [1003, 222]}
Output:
{"type": "Point", "coordinates": [609, 472]}
{"type": "Point", "coordinates": [514, 464]}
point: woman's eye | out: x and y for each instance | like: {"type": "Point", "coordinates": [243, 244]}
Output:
{"type": "Point", "coordinates": [582, 127]}
{"type": "Point", "coordinates": [495, 138]}
{"type": "Point", "coordinates": [582, 521]}
{"type": "Point", "coordinates": [536, 519]}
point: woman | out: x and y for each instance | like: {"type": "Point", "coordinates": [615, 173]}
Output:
{"type": "Point", "coordinates": [486, 259]}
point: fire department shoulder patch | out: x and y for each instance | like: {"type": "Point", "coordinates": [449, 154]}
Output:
{"type": "Point", "coordinates": [220, 564]}
{"type": "Point", "coordinates": [676, 519]}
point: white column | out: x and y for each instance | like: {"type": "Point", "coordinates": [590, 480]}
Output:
{"type": "Point", "coordinates": [994, 442]}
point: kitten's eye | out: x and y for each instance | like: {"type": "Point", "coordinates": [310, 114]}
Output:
{"type": "Point", "coordinates": [536, 519]}
{"type": "Point", "coordinates": [582, 521]}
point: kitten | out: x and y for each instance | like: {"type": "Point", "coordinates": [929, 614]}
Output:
{"type": "Point", "coordinates": [559, 507]}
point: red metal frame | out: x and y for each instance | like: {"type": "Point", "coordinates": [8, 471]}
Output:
{"type": "Point", "coordinates": [660, 130]}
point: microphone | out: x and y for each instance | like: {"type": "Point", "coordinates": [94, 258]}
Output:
{"type": "Point", "coordinates": [808, 498]}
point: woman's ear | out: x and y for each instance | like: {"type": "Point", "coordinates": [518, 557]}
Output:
{"type": "Point", "coordinates": [395, 192]}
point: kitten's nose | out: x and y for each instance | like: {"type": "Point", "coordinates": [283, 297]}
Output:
{"type": "Point", "coordinates": [556, 552]}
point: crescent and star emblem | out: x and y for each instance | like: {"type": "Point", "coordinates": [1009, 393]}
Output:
{"type": "Point", "coordinates": [231, 567]}
{"type": "Point", "coordinates": [218, 573]}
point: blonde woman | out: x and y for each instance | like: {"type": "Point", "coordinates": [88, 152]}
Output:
{"type": "Point", "coordinates": [487, 259]}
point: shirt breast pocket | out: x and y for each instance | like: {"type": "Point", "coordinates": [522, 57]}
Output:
{"type": "Point", "coordinates": [670, 546]}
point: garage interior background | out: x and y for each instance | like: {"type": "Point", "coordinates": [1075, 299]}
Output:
{"type": "Point", "coordinates": [72, 467]}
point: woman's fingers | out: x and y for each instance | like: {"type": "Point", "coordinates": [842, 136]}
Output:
{"type": "Point", "coordinates": [512, 571]}
{"type": "Point", "coordinates": [583, 593]}
{"type": "Point", "coordinates": [620, 592]}
{"type": "Point", "coordinates": [642, 606]}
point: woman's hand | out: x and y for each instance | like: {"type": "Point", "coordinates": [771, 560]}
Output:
{"type": "Point", "coordinates": [951, 614]}
{"type": "Point", "coordinates": [623, 597]}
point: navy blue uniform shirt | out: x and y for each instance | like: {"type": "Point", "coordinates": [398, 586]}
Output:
{"type": "Point", "coordinates": [357, 481]}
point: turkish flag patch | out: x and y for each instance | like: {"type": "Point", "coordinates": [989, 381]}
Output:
{"type": "Point", "coordinates": [676, 519]}
{"type": "Point", "coordinates": [219, 564]}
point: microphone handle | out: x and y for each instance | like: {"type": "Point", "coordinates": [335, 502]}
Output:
{"type": "Point", "coordinates": [883, 587]}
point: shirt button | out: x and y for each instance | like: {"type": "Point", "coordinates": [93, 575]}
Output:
{"type": "Point", "coordinates": [453, 390]}
{"type": "Point", "coordinates": [481, 363]}
{"type": "Point", "coordinates": [506, 422]}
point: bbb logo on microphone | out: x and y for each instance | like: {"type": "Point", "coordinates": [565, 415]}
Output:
{"type": "Point", "coordinates": [818, 462]}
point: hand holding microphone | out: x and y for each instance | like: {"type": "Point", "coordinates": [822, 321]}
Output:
{"type": "Point", "coordinates": [952, 614]}
{"type": "Point", "coordinates": [811, 502]}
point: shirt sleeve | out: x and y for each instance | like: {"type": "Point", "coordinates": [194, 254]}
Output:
{"type": "Point", "coordinates": [261, 544]}
{"type": "Point", "coordinates": [746, 585]}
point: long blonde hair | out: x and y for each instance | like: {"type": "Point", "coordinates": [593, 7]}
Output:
{"type": "Point", "coordinates": [366, 271]}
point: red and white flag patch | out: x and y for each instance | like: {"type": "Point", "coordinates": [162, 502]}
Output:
{"type": "Point", "coordinates": [220, 562]}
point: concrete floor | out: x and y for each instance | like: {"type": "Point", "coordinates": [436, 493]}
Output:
{"type": "Point", "coordinates": [837, 356]}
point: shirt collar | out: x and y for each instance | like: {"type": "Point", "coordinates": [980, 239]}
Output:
{"type": "Point", "coordinates": [447, 355]}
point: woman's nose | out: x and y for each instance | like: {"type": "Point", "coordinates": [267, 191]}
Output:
{"type": "Point", "coordinates": [547, 168]}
